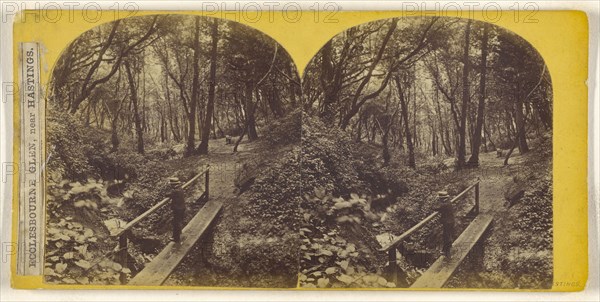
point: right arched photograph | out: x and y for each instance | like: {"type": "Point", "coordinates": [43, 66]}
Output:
{"type": "Point", "coordinates": [427, 158]}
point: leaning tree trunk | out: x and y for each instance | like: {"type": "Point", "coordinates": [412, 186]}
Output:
{"type": "Point", "coordinates": [239, 140]}
{"type": "Point", "coordinates": [356, 100]}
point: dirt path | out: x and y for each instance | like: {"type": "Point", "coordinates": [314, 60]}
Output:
{"type": "Point", "coordinates": [517, 254]}
{"type": "Point", "coordinates": [494, 178]}
{"type": "Point", "coordinates": [223, 165]}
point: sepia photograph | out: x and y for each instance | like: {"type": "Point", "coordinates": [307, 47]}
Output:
{"type": "Point", "coordinates": [427, 158]}
{"type": "Point", "coordinates": [413, 152]}
{"type": "Point", "coordinates": [174, 143]}
{"type": "Point", "coordinates": [299, 151]}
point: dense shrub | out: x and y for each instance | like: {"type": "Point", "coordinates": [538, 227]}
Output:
{"type": "Point", "coordinates": [331, 160]}
{"type": "Point", "coordinates": [286, 130]}
{"type": "Point", "coordinates": [433, 165]}
{"type": "Point", "coordinates": [276, 193]}
{"type": "Point", "coordinates": [144, 178]}
{"type": "Point", "coordinates": [328, 159]}
{"type": "Point", "coordinates": [339, 248]}
{"type": "Point", "coordinates": [72, 147]}
{"type": "Point", "coordinates": [527, 256]}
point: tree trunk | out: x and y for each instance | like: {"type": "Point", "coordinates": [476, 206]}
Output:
{"type": "Point", "coordinates": [521, 139]}
{"type": "Point", "coordinates": [386, 149]}
{"type": "Point", "coordinates": [114, 137]}
{"type": "Point", "coordinates": [275, 103]}
{"type": "Point", "coordinates": [136, 114]}
{"type": "Point", "coordinates": [407, 133]}
{"type": "Point", "coordinates": [488, 135]}
{"type": "Point", "coordinates": [359, 127]}
{"type": "Point", "coordinates": [191, 135]}
{"type": "Point", "coordinates": [462, 152]}
{"type": "Point", "coordinates": [210, 106]}
{"type": "Point", "coordinates": [249, 108]}
{"type": "Point", "coordinates": [163, 128]}
{"type": "Point", "coordinates": [443, 130]}
{"type": "Point", "coordinates": [239, 140]}
{"type": "Point", "coordinates": [327, 84]}
{"type": "Point", "coordinates": [474, 160]}
{"type": "Point", "coordinates": [217, 123]}
{"type": "Point", "coordinates": [357, 101]}
{"type": "Point", "coordinates": [200, 114]}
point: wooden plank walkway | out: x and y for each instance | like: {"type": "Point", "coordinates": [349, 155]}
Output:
{"type": "Point", "coordinates": [442, 269]}
{"type": "Point", "coordinates": [158, 270]}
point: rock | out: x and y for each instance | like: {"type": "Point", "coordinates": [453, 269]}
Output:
{"type": "Point", "coordinates": [114, 225]}
{"type": "Point", "coordinates": [245, 177]}
{"type": "Point", "coordinates": [513, 192]}
{"type": "Point", "coordinates": [385, 239]}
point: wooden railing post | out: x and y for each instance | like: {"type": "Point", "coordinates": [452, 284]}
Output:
{"type": "Point", "coordinates": [207, 181]}
{"type": "Point", "coordinates": [448, 220]}
{"type": "Point", "coordinates": [477, 198]}
{"type": "Point", "coordinates": [393, 266]}
{"type": "Point", "coordinates": [123, 254]}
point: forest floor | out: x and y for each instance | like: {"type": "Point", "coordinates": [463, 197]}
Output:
{"type": "Point", "coordinates": [224, 166]}
{"type": "Point", "coordinates": [107, 211]}
{"type": "Point", "coordinates": [518, 250]}
{"type": "Point", "coordinates": [494, 178]}
{"type": "Point", "coordinates": [514, 240]}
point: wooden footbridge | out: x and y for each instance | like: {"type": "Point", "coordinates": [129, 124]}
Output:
{"type": "Point", "coordinates": [158, 270]}
{"type": "Point", "coordinates": [469, 245]}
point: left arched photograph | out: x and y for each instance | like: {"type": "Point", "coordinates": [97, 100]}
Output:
{"type": "Point", "coordinates": [174, 156]}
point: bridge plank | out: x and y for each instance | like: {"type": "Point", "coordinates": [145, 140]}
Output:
{"type": "Point", "coordinates": [442, 269]}
{"type": "Point", "coordinates": [158, 270]}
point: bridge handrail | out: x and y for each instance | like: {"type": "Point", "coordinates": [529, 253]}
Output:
{"type": "Point", "coordinates": [465, 191]}
{"type": "Point", "coordinates": [160, 204]}
{"type": "Point", "coordinates": [431, 216]}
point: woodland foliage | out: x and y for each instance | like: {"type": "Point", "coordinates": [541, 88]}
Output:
{"type": "Point", "coordinates": [386, 114]}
